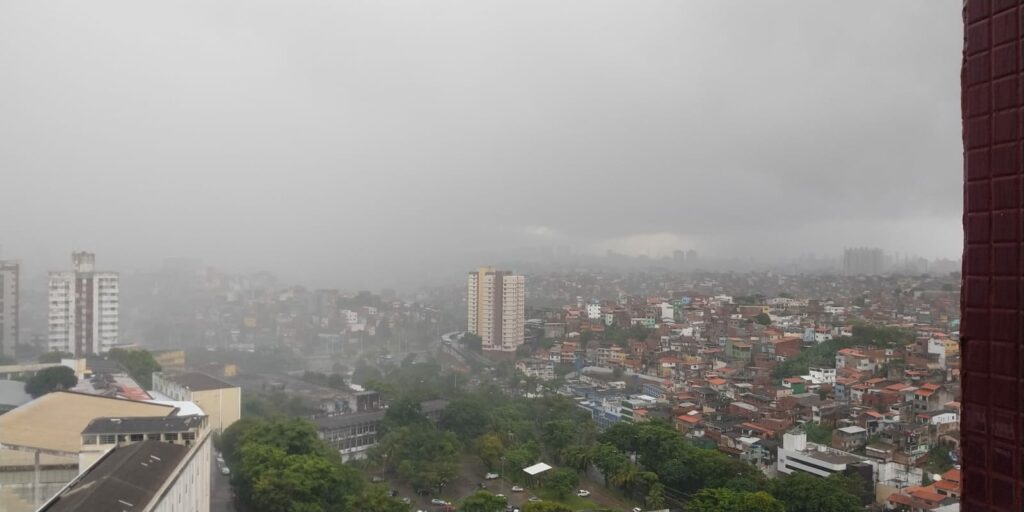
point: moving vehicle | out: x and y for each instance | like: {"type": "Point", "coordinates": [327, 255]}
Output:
{"type": "Point", "coordinates": [438, 501]}
{"type": "Point", "coordinates": [533, 499]}
{"type": "Point", "coordinates": [582, 493]}
{"type": "Point", "coordinates": [491, 476]}
{"type": "Point", "coordinates": [516, 488]}
{"type": "Point", "coordinates": [225, 471]}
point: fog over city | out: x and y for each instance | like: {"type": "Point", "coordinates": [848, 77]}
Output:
{"type": "Point", "coordinates": [360, 143]}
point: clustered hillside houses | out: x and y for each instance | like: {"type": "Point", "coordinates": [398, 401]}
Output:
{"type": "Point", "coordinates": [867, 383]}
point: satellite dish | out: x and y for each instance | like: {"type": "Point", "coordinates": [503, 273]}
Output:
{"type": "Point", "coordinates": [937, 478]}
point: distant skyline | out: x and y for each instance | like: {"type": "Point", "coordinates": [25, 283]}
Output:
{"type": "Point", "coordinates": [360, 143]}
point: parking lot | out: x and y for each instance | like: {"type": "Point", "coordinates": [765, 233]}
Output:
{"type": "Point", "coordinates": [472, 475]}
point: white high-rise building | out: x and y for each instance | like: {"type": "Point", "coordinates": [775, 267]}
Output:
{"type": "Point", "coordinates": [83, 308]}
{"type": "Point", "coordinates": [496, 302]}
{"type": "Point", "coordinates": [8, 307]}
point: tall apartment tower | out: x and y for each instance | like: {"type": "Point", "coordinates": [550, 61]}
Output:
{"type": "Point", "coordinates": [497, 308]}
{"type": "Point", "coordinates": [83, 308]}
{"type": "Point", "coordinates": [8, 307]}
{"type": "Point", "coordinates": [866, 261]}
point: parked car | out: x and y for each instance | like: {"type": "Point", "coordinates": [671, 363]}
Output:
{"type": "Point", "coordinates": [406, 501]}
{"type": "Point", "coordinates": [533, 499]}
{"type": "Point", "coordinates": [377, 479]}
{"type": "Point", "coordinates": [638, 509]}
{"type": "Point", "coordinates": [438, 501]}
{"type": "Point", "coordinates": [481, 485]}
{"type": "Point", "coordinates": [516, 488]}
{"type": "Point", "coordinates": [582, 493]}
{"type": "Point", "coordinates": [225, 471]}
{"type": "Point", "coordinates": [491, 476]}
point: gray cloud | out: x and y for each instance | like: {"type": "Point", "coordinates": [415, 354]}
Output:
{"type": "Point", "coordinates": [351, 139]}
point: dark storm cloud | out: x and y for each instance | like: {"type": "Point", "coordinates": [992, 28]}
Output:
{"type": "Point", "coordinates": [352, 139]}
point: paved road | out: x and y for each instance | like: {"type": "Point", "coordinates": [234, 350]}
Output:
{"type": "Point", "coordinates": [220, 488]}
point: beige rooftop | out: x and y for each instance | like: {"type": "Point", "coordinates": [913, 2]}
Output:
{"type": "Point", "coordinates": [55, 421]}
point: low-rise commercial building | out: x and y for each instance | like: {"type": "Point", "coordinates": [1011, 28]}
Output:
{"type": "Point", "coordinates": [221, 401]}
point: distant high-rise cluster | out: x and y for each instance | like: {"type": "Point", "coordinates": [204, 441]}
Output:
{"type": "Point", "coordinates": [497, 308]}
{"type": "Point", "coordinates": [8, 307]}
{"type": "Point", "coordinates": [84, 303]}
{"type": "Point", "coordinates": [867, 261]}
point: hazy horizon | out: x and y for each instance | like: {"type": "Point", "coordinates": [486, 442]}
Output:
{"type": "Point", "coordinates": [360, 143]}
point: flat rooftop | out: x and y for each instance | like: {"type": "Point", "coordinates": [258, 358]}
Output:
{"type": "Point", "coordinates": [831, 457]}
{"type": "Point", "coordinates": [196, 381]}
{"type": "Point", "coordinates": [145, 424]}
{"type": "Point", "coordinates": [55, 421]}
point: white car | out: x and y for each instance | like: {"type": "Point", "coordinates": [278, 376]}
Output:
{"type": "Point", "coordinates": [225, 471]}
{"type": "Point", "coordinates": [438, 501]}
{"type": "Point", "coordinates": [638, 509]}
{"type": "Point", "coordinates": [533, 499]}
{"type": "Point", "coordinates": [516, 488]}
{"type": "Point", "coordinates": [490, 476]}
{"type": "Point", "coordinates": [582, 493]}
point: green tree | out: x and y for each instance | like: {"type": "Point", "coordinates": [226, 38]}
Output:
{"type": "Point", "coordinates": [229, 442]}
{"type": "Point", "coordinates": [562, 482]}
{"type": "Point", "coordinates": [466, 417]}
{"type": "Point", "coordinates": [404, 412]}
{"type": "Point", "coordinates": [364, 372]}
{"type": "Point", "coordinates": [727, 500]}
{"type": "Point", "coordinates": [473, 342]}
{"type": "Point", "coordinates": [545, 506]}
{"type": "Point", "coordinates": [578, 457]}
{"type": "Point", "coordinates": [763, 319]}
{"type": "Point", "coordinates": [375, 499]}
{"type": "Point", "coordinates": [423, 456]}
{"type": "Point", "coordinates": [938, 460]}
{"type": "Point", "coordinates": [281, 465]}
{"type": "Point", "coordinates": [818, 433]}
{"type": "Point", "coordinates": [655, 498]}
{"type": "Point", "coordinates": [302, 482]}
{"type": "Point", "coordinates": [54, 356]}
{"type": "Point", "coordinates": [558, 434]}
{"type": "Point", "coordinates": [609, 460]}
{"type": "Point", "coordinates": [805, 493]}
{"type": "Point", "coordinates": [139, 364]}
{"type": "Point", "coordinates": [483, 501]}
{"type": "Point", "coordinates": [490, 449]}
{"type": "Point", "coordinates": [50, 379]}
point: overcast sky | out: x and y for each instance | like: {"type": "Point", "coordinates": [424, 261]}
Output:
{"type": "Point", "coordinates": [353, 140]}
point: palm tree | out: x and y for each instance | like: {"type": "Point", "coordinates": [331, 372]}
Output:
{"type": "Point", "coordinates": [578, 457]}
{"type": "Point", "coordinates": [625, 476]}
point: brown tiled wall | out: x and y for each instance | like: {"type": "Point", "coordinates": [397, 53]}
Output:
{"type": "Point", "coordinates": [993, 292]}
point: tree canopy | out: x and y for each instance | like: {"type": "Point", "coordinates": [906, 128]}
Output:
{"type": "Point", "coordinates": [281, 465]}
{"type": "Point", "coordinates": [728, 500]}
{"type": "Point", "coordinates": [139, 364]}
{"type": "Point", "coordinates": [483, 501]}
{"type": "Point", "coordinates": [50, 379]}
